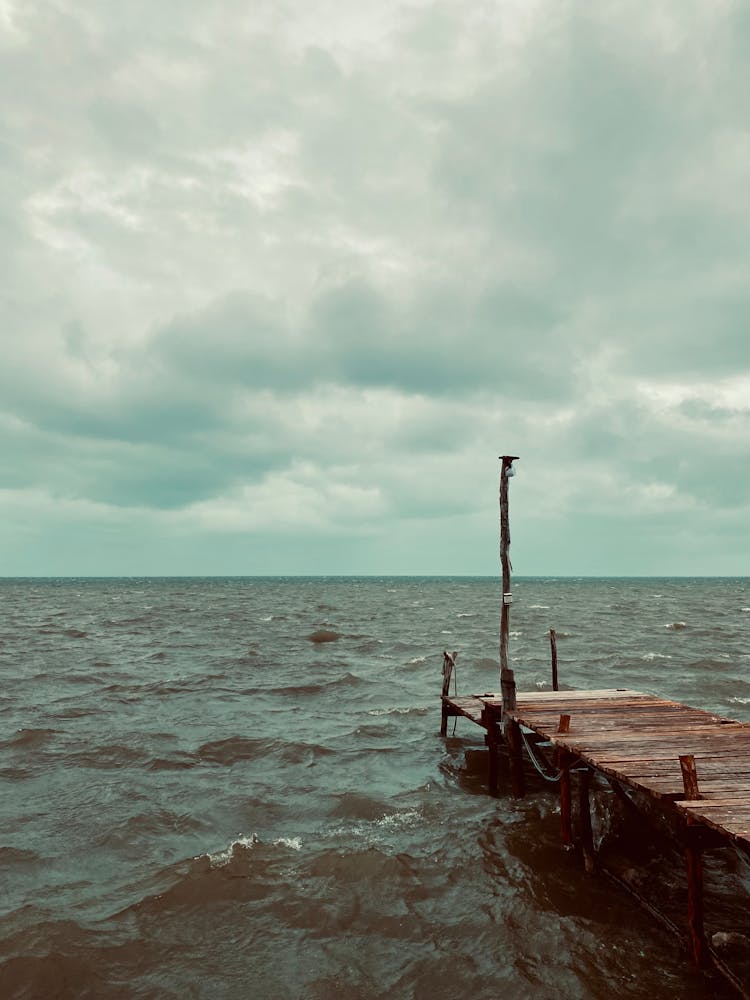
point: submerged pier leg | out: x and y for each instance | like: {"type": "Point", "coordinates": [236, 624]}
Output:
{"type": "Point", "coordinates": [515, 748]}
{"type": "Point", "coordinates": [584, 819]}
{"type": "Point", "coordinates": [492, 739]}
{"type": "Point", "coordinates": [566, 818]}
{"type": "Point", "coordinates": [694, 864]}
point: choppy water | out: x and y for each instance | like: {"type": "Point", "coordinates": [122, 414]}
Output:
{"type": "Point", "coordinates": [200, 801]}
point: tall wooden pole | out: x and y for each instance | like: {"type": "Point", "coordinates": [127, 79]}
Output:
{"type": "Point", "coordinates": [511, 729]}
{"type": "Point", "coordinates": [507, 681]}
{"type": "Point", "coordinates": [553, 647]}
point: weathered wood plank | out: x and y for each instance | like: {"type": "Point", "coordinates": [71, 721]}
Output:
{"type": "Point", "coordinates": [638, 739]}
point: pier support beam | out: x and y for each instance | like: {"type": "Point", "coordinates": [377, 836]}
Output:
{"type": "Point", "coordinates": [694, 864]}
{"type": "Point", "coordinates": [584, 819]}
{"type": "Point", "coordinates": [492, 739]}
{"type": "Point", "coordinates": [515, 748]}
{"type": "Point", "coordinates": [566, 817]}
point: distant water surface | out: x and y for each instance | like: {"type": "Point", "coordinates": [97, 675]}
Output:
{"type": "Point", "coordinates": [230, 788]}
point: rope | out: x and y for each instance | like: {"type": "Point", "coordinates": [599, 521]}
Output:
{"type": "Point", "coordinates": [535, 762]}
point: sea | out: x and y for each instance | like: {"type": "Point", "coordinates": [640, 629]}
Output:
{"type": "Point", "coordinates": [236, 788]}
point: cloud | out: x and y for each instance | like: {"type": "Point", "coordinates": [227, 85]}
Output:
{"type": "Point", "coordinates": [276, 273]}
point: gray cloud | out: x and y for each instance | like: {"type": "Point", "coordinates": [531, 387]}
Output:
{"type": "Point", "coordinates": [304, 274]}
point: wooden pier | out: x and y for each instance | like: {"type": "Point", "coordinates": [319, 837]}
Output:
{"type": "Point", "coordinates": [694, 766]}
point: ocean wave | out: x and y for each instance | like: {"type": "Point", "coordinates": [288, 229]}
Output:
{"type": "Point", "coordinates": [28, 738]}
{"type": "Point", "coordinates": [538, 607]}
{"type": "Point", "coordinates": [346, 680]}
{"type": "Point", "coordinates": [75, 633]}
{"type": "Point", "coordinates": [399, 711]}
{"type": "Point", "coordinates": [356, 805]}
{"type": "Point", "coordinates": [378, 730]}
{"type": "Point", "coordinates": [18, 856]}
{"type": "Point", "coordinates": [676, 626]}
{"type": "Point", "coordinates": [238, 748]}
{"type": "Point", "coordinates": [378, 828]}
{"type": "Point", "coordinates": [293, 843]}
{"type": "Point", "coordinates": [233, 749]}
{"type": "Point", "coordinates": [400, 820]}
{"type": "Point", "coordinates": [656, 656]}
{"type": "Point", "coordinates": [249, 656]}
{"type": "Point", "coordinates": [75, 712]}
{"type": "Point", "coordinates": [179, 761]}
{"type": "Point", "coordinates": [224, 857]}
{"type": "Point", "coordinates": [127, 834]}
{"type": "Point", "coordinates": [487, 663]}
{"type": "Point", "coordinates": [371, 646]}
{"type": "Point", "coordinates": [108, 757]}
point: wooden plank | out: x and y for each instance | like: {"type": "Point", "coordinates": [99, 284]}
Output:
{"type": "Point", "coordinates": [638, 739]}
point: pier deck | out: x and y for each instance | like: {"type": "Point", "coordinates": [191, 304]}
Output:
{"type": "Point", "coordinates": [638, 739]}
{"type": "Point", "coordinates": [694, 765]}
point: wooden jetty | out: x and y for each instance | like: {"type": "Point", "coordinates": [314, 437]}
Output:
{"type": "Point", "coordinates": [694, 766]}
{"type": "Point", "coordinates": [639, 740]}
{"type": "Point", "coordinates": [691, 765]}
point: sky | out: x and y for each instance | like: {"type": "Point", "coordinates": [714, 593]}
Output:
{"type": "Point", "coordinates": [280, 281]}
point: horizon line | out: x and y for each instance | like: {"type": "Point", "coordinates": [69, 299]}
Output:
{"type": "Point", "coordinates": [374, 576]}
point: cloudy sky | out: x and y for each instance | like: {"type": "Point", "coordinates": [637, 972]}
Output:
{"type": "Point", "coordinates": [281, 279]}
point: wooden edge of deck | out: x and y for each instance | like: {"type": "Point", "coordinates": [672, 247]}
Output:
{"type": "Point", "coordinates": [722, 807]}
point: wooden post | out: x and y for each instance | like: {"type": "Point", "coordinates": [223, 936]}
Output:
{"type": "Point", "coordinates": [507, 680]}
{"type": "Point", "coordinates": [513, 739]}
{"type": "Point", "coordinates": [563, 726]}
{"type": "Point", "coordinates": [492, 739]}
{"type": "Point", "coordinates": [689, 777]}
{"type": "Point", "coordinates": [694, 866]}
{"type": "Point", "coordinates": [584, 819]}
{"type": "Point", "coordinates": [508, 688]}
{"type": "Point", "coordinates": [449, 662]}
{"type": "Point", "coordinates": [553, 647]}
{"type": "Point", "coordinates": [566, 820]}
